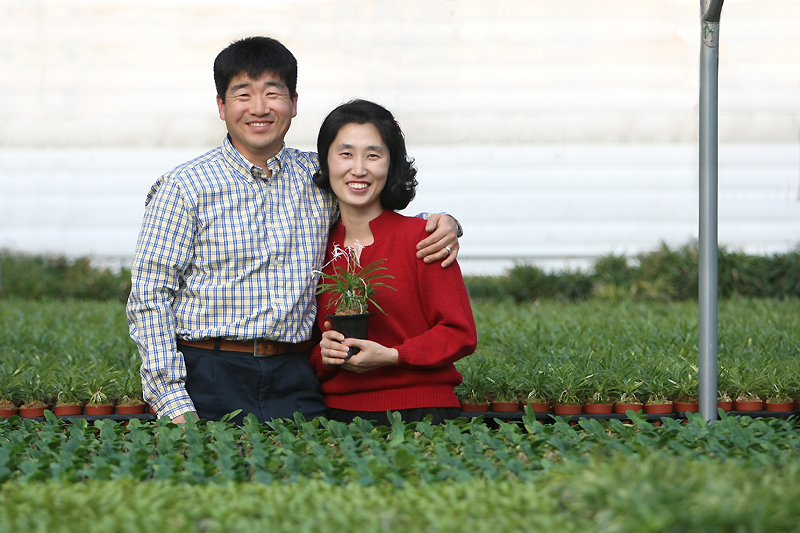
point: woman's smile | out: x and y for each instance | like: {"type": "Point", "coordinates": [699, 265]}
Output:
{"type": "Point", "coordinates": [357, 185]}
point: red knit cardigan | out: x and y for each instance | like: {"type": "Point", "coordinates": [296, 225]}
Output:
{"type": "Point", "coordinates": [428, 320]}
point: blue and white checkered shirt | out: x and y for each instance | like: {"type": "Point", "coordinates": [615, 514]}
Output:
{"type": "Point", "coordinates": [225, 252]}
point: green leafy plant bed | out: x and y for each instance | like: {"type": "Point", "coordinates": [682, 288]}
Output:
{"type": "Point", "coordinates": [60, 352]}
{"type": "Point", "coordinates": [593, 495]}
{"type": "Point", "coordinates": [287, 451]}
{"type": "Point", "coordinates": [635, 353]}
{"type": "Point", "coordinates": [551, 417]}
{"type": "Point", "coordinates": [461, 476]}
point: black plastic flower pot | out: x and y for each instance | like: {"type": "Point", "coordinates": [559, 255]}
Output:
{"type": "Point", "coordinates": [351, 326]}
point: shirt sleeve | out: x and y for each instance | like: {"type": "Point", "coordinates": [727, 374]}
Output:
{"type": "Point", "coordinates": [446, 307]}
{"type": "Point", "coordinates": [459, 229]}
{"type": "Point", "coordinates": [163, 251]}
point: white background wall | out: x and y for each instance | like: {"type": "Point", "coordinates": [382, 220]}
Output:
{"type": "Point", "coordinates": [555, 131]}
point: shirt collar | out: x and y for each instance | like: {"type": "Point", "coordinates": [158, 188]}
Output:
{"type": "Point", "coordinates": [238, 161]}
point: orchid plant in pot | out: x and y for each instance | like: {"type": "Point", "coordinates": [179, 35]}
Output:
{"type": "Point", "coordinates": [599, 392]}
{"type": "Point", "coordinates": [37, 387]}
{"type": "Point", "coordinates": [473, 391]}
{"type": "Point", "coordinates": [750, 385]}
{"type": "Point", "coordinates": [536, 396]}
{"type": "Point", "coordinates": [794, 381]}
{"type": "Point", "coordinates": [11, 377]}
{"type": "Point", "coordinates": [35, 394]}
{"type": "Point", "coordinates": [69, 400]}
{"type": "Point", "coordinates": [685, 385]}
{"type": "Point", "coordinates": [629, 389]}
{"type": "Point", "coordinates": [779, 381]}
{"type": "Point", "coordinates": [131, 400]}
{"type": "Point", "coordinates": [353, 288]}
{"type": "Point", "coordinates": [504, 385]}
{"type": "Point", "coordinates": [724, 388]}
{"type": "Point", "coordinates": [101, 386]}
{"type": "Point", "coordinates": [569, 382]}
{"type": "Point", "coordinates": [655, 387]}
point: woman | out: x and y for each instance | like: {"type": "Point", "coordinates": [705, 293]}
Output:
{"type": "Point", "coordinates": [427, 323]}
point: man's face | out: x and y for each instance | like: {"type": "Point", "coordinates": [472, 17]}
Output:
{"type": "Point", "coordinates": [258, 113]}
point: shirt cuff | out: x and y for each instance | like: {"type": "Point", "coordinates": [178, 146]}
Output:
{"type": "Point", "coordinates": [459, 229]}
{"type": "Point", "coordinates": [173, 403]}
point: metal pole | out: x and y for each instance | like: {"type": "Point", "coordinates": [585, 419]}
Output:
{"type": "Point", "coordinates": [709, 74]}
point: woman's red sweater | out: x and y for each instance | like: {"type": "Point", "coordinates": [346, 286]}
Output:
{"type": "Point", "coordinates": [428, 320]}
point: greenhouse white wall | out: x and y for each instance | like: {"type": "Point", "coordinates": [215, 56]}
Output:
{"type": "Point", "coordinates": [553, 132]}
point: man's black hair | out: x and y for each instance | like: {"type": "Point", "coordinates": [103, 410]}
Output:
{"type": "Point", "coordinates": [255, 56]}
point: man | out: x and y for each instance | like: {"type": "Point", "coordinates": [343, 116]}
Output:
{"type": "Point", "coordinates": [222, 301]}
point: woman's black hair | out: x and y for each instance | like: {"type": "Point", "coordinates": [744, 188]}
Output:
{"type": "Point", "coordinates": [401, 180]}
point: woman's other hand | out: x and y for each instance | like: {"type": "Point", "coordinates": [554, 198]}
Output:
{"type": "Point", "coordinates": [371, 356]}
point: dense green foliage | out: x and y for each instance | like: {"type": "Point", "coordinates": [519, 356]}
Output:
{"type": "Point", "coordinates": [642, 348]}
{"type": "Point", "coordinates": [665, 274]}
{"type": "Point", "coordinates": [336, 453]}
{"type": "Point", "coordinates": [548, 346]}
{"type": "Point", "coordinates": [740, 474]}
{"type": "Point", "coordinates": [37, 277]}
{"type": "Point", "coordinates": [650, 494]}
{"type": "Point", "coordinates": [737, 475]}
{"type": "Point", "coordinates": [66, 350]}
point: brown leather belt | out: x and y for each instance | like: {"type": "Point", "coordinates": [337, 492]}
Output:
{"type": "Point", "coordinates": [257, 347]}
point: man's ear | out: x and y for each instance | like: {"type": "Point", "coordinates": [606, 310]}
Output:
{"type": "Point", "coordinates": [221, 107]}
{"type": "Point", "coordinates": [294, 105]}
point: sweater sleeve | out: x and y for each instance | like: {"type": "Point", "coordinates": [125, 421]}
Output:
{"type": "Point", "coordinates": [446, 307]}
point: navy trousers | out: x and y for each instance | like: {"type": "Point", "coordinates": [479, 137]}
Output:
{"type": "Point", "coordinates": [220, 382]}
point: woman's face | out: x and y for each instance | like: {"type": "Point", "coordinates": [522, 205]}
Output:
{"type": "Point", "coordinates": [358, 162]}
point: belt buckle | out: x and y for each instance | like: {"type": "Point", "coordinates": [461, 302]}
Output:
{"type": "Point", "coordinates": [255, 350]}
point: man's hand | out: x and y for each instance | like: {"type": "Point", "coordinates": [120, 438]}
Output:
{"type": "Point", "coordinates": [181, 420]}
{"type": "Point", "coordinates": [442, 245]}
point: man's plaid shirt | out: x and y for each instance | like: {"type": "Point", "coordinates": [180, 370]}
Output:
{"type": "Point", "coordinates": [225, 252]}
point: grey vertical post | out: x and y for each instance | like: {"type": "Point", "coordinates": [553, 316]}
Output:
{"type": "Point", "coordinates": [709, 75]}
